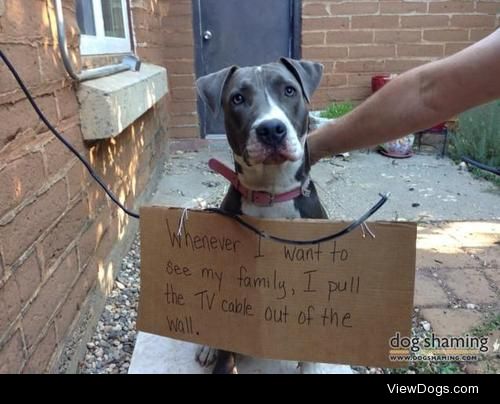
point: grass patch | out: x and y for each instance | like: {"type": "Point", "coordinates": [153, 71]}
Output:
{"type": "Point", "coordinates": [490, 325]}
{"type": "Point", "coordinates": [336, 110]}
{"type": "Point", "coordinates": [478, 137]}
{"type": "Point", "coordinates": [428, 368]}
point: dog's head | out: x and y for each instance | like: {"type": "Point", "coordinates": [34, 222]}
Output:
{"type": "Point", "coordinates": [265, 107]}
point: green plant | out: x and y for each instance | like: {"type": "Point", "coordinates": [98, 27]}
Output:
{"type": "Point", "coordinates": [336, 110]}
{"type": "Point", "coordinates": [491, 324]}
{"type": "Point", "coordinates": [478, 137]}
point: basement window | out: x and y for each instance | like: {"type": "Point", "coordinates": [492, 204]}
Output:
{"type": "Point", "coordinates": [104, 26]}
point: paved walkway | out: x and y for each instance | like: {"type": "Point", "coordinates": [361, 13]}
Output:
{"type": "Point", "coordinates": [458, 258]}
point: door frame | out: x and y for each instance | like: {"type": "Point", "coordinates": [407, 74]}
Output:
{"type": "Point", "coordinates": [295, 49]}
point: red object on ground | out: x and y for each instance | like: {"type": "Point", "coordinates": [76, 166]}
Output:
{"type": "Point", "coordinates": [379, 81]}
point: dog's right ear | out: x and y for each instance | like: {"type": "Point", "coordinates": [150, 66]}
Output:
{"type": "Point", "coordinates": [211, 87]}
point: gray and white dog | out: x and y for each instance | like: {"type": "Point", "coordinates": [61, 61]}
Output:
{"type": "Point", "coordinates": [266, 122]}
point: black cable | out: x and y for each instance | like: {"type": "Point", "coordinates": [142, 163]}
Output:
{"type": "Point", "coordinates": [91, 171]}
{"type": "Point", "coordinates": [482, 166]}
{"type": "Point", "coordinates": [348, 229]}
{"type": "Point", "coordinates": [219, 211]}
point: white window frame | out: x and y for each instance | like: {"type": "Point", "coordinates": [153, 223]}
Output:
{"type": "Point", "coordinates": [100, 43]}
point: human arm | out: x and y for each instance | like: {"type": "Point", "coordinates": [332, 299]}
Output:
{"type": "Point", "coordinates": [416, 100]}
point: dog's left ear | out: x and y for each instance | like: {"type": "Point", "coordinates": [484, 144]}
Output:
{"type": "Point", "coordinates": [307, 73]}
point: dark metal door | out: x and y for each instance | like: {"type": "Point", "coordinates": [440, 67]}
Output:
{"type": "Point", "coordinates": [243, 33]}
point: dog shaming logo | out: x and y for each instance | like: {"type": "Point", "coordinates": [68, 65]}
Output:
{"type": "Point", "coordinates": [434, 348]}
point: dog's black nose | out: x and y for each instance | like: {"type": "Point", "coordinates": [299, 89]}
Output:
{"type": "Point", "coordinates": [271, 132]}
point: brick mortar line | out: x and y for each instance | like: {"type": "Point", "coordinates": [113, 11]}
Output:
{"type": "Point", "coordinates": [397, 29]}
{"type": "Point", "coordinates": [26, 41]}
{"type": "Point", "coordinates": [36, 41]}
{"type": "Point", "coordinates": [10, 271]}
{"type": "Point", "coordinates": [11, 215]}
{"type": "Point", "coordinates": [87, 223]}
{"type": "Point", "coordinates": [52, 317]}
{"type": "Point", "coordinates": [399, 14]}
{"type": "Point", "coordinates": [37, 90]}
{"type": "Point", "coordinates": [17, 323]}
{"type": "Point", "coordinates": [46, 137]}
{"type": "Point", "coordinates": [172, 59]}
{"type": "Point", "coordinates": [18, 319]}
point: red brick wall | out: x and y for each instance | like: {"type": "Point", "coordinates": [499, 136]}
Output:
{"type": "Point", "coordinates": [56, 226]}
{"type": "Point", "coordinates": [164, 33]}
{"type": "Point", "coordinates": [356, 39]}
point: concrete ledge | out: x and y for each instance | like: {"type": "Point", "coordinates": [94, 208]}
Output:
{"type": "Point", "coordinates": [109, 104]}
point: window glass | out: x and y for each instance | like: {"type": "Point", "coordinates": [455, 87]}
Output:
{"type": "Point", "coordinates": [112, 15]}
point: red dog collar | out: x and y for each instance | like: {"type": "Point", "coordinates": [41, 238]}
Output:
{"type": "Point", "coordinates": [261, 198]}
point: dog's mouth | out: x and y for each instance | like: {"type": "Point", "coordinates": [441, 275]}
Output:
{"type": "Point", "coordinates": [274, 158]}
{"type": "Point", "coordinates": [279, 156]}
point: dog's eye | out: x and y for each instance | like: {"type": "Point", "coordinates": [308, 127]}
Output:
{"type": "Point", "coordinates": [289, 91]}
{"type": "Point", "coordinates": [237, 99]}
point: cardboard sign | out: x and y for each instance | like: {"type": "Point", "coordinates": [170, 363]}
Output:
{"type": "Point", "coordinates": [217, 283]}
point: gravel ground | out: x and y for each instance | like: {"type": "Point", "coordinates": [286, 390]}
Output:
{"type": "Point", "coordinates": [111, 347]}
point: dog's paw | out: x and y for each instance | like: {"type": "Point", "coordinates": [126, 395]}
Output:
{"type": "Point", "coordinates": [225, 370]}
{"type": "Point", "coordinates": [206, 355]}
{"type": "Point", "coordinates": [226, 364]}
{"type": "Point", "coordinates": [317, 368]}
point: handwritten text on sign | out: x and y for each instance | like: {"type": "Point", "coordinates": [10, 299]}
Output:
{"type": "Point", "coordinates": [217, 283]}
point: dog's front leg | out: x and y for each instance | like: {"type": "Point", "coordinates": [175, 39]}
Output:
{"type": "Point", "coordinates": [206, 355]}
{"type": "Point", "coordinates": [226, 363]}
